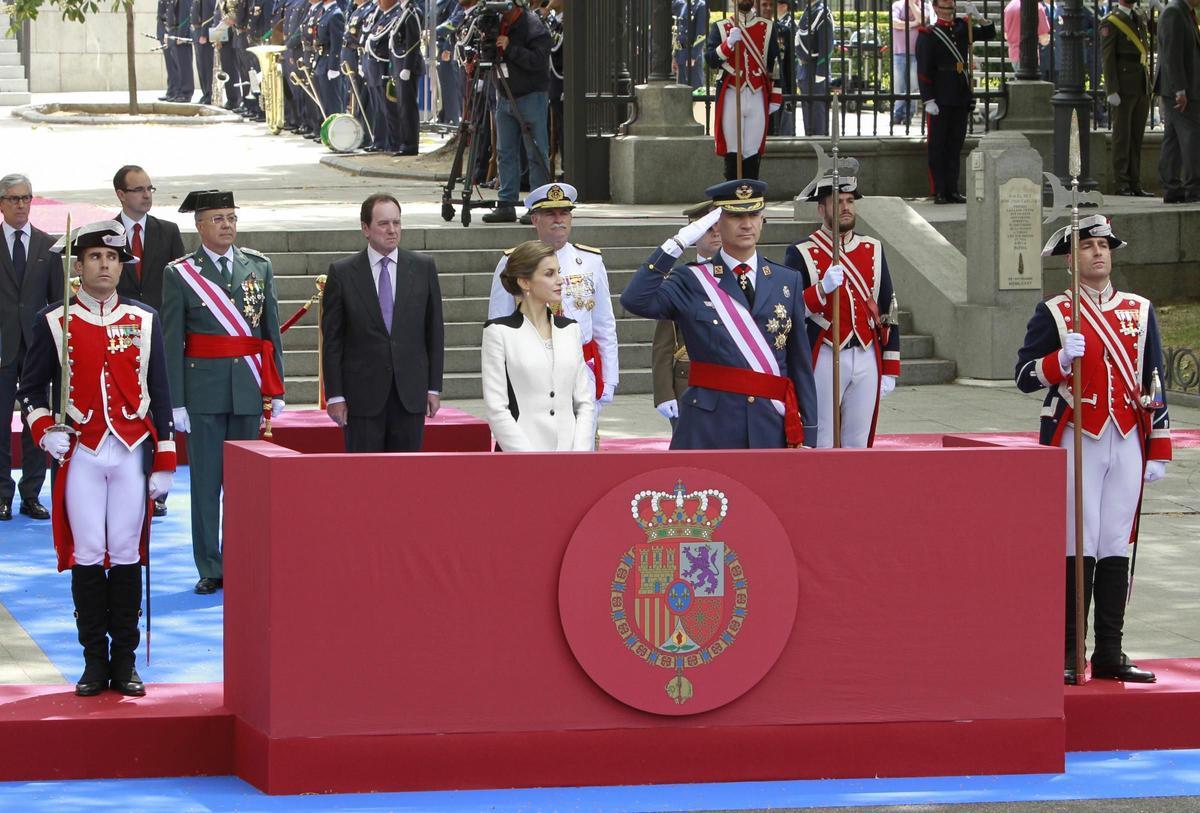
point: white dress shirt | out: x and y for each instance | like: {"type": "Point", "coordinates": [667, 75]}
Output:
{"type": "Point", "coordinates": [214, 257]}
{"type": "Point", "coordinates": [9, 231]}
{"type": "Point", "coordinates": [373, 258]}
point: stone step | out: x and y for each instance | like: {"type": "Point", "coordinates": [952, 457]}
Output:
{"type": "Point", "coordinates": [12, 72]}
{"type": "Point", "coordinates": [914, 372]}
{"type": "Point", "coordinates": [13, 99]}
{"type": "Point", "coordinates": [11, 58]}
{"type": "Point", "coordinates": [8, 46]}
{"type": "Point", "coordinates": [18, 85]}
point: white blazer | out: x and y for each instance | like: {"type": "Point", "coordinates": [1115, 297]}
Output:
{"type": "Point", "coordinates": [532, 406]}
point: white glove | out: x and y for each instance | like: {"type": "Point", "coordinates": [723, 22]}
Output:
{"type": "Point", "coordinates": [1155, 469]}
{"type": "Point", "coordinates": [833, 278]}
{"type": "Point", "coordinates": [735, 36]}
{"type": "Point", "coordinates": [56, 443]}
{"type": "Point", "coordinates": [668, 409]}
{"type": "Point", "coordinates": [160, 484]}
{"type": "Point", "coordinates": [1073, 347]}
{"type": "Point", "coordinates": [276, 407]}
{"type": "Point", "coordinates": [182, 422]}
{"type": "Point", "coordinates": [606, 397]}
{"type": "Point", "coordinates": [405, 75]}
{"type": "Point", "coordinates": [973, 12]}
{"type": "Point", "coordinates": [332, 74]}
{"type": "Point", "coordinates": [689, 234]}
{"type": "Point", "coordinates": [931, 108]}
{"type": "Point", "coordinates": [1114, 99]}
{"type": "Point", "coordinates": [887, 383]}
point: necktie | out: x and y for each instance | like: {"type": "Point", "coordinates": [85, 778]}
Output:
{"type": "Point", "coordinates": [224, 263]}
{"type": "Point", "coordinates": [742, 271]}
{"type": "Point", "coordinates": [137, 249]}
{"type": "Point", "coordinates": [18, 257]}
{"type": "Point", "coordinates": [386, 299]}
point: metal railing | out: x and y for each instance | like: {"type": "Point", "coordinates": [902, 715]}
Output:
{"type": "Point", "coordinates": [1182, 372]}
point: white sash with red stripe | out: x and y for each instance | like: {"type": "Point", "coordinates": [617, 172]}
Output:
{"type": "Point", "coordinates": [1112, 343]}
{"type": "Point", "coordinates": [854, 274]}
{"type": "Point", "coordinates": [222, 307]}
{"type": "Point", "coordinates": [740, 326]}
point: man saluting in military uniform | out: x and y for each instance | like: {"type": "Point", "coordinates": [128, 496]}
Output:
{"type": "Point", "coordinates": [742, 320]}
{"type": "Point", "coordinates": [1125, 43]}
{"type": "Point", "coordinates": [118, 431]}
{"type": "Point", "coordinates": [224, 356]}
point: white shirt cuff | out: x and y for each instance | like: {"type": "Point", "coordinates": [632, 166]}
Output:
{"type": "Point", "coordinates": [337, 399]}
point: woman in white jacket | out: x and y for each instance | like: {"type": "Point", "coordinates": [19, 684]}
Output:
{"type": "Point", "coordinates": [536, 388]}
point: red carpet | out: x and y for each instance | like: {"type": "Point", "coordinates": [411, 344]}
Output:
{"type": "Point", "coordinates": [51, 215]}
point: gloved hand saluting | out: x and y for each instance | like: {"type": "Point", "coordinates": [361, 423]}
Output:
{"type": "Point", "coordinates": [1073, 347]}
{"type": "Point", "coordinates": [833, 278]}
{"type": "Point", "coordinates": [689, 234]}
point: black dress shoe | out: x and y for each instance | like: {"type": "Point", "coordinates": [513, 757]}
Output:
{"type": "Point", "coordinates": [5, 511]}
{"type": "Point", "coordinates": [133, 687]}
{"type": "Point", "coordinates": [172, 98]}
{"type": "Point", "coordinates": [941, 200]}
{"type": "Point", "coordinates": [956, 198]}
{"type": "Point", "coordinates": [1142, 193]}
{"type": "Point", "coordinates": [34, 509]}
{"type": "Point", "coordinates": [1069, 676]}
{"type": "Point", "coordinates": [90, 688]}
{"type": "Point", "coordinates": [160, 507]}
{"type": "Point", "coordinates": [207, 586]}
{"type": "Point", "coordinates": [501, 214]}
{"type": "Point", "coordinates": [1127, 192]}
{"type": "Point", "coordinates": [1124, 671]}
{"type": "Point", "coordinates": [403, 153]}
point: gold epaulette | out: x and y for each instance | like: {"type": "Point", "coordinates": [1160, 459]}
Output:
{"type": "Point", "coordinates": [254, 253]}
{"type": "Point", "coordinates": [589, 249]}
{"type": "Point", "coordinates": [179, 259]}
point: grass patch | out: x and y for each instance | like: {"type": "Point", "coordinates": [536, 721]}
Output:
{"type": "Point", "coordinates": [1179, 324]}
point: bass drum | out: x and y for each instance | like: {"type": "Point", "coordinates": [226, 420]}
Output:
{"type": "Point", "coordinates": [342, 132]}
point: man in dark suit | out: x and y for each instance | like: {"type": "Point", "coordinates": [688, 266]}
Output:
{"type": "Point", "coordinates": [383, 334]}
{"type": "Point", "coordinates": [154, 242]}
{"type": "Point", "coordinates": [29, 280]}
{"type": "Point", "coordinates": [1177, 83]}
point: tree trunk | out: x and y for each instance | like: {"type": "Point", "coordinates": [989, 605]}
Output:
{"type": "Point", "coordinates": [131, 63]}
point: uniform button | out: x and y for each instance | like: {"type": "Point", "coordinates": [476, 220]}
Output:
{"type": "Point", "coordinates": [749, 399]}
{"type": "Point", "coordinates": [552, 393]}
{"type": "Point", "coordinates": [235, 361]}
{"type": "Point", "coordinates": [715, 322]}
{"type": "Point", "coordinates": [552, 412]}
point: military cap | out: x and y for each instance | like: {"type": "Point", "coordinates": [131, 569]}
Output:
{"type": "Point", "coordinates": [1090, 226]}
{"type": "Point", "coordinates": [824, 187]}
{"type": "Point", "coordinates": [698, 211]}
{"type": "Point", "coordinates": [202, 199]}
{"type": "Point", "coordinates": [739, 196]}
{"type": "Point", "coordinates": [552, 196]}
{"type": "Point", "coordinates": [102, 233]}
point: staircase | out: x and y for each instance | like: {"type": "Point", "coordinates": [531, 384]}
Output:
{"type": "Point", "coordinates": [466, 259]}
{"type": "Point", "coordinates": [14, 85]}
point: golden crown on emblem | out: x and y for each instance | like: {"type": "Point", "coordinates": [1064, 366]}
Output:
{"type": "Point", "coordinates": [693, 514]}
{"type": "Point", "coordinates": [744, 191]}
{"type": "Point", "coordinates": [555, 193]}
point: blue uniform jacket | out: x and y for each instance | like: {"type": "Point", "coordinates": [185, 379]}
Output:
{"type": "Point", "coordinates": [711, 419]}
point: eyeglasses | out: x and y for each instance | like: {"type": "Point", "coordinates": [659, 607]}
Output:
{"type": "Point", "coordinates": [221, 220]}
{"type": "Point", "coordinates": [138, 190]}
{"type": "Point", "coordinates": [17, 198]}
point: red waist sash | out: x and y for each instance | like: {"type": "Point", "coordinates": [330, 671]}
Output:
{"type": "Point", "coordinates": [212, 346]}
{"type": "Point", "coordinates": [742, 381]}
{"type": "Point", "coordinates": [591, 357]}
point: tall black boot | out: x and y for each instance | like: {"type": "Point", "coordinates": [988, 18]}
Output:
{"type": "Point", "coordinates": [731, 166]}
{"type": "Point", "coordinates": [89, 589]}
{"type": "Point", "coordinates": [125, 608]}
{"type": "Point", "coordinates": [1089, 571]}
{"type": "Point", "coordinates": [750, 166]}
{"type": "Point", "coordinates": [1112, 586]}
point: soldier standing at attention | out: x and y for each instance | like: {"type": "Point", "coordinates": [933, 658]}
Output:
{"type": "Point", "coordinates": [224, 357]}
{"type": "Point", "coordinates": [1125, 43]}
{"type": "Point", "coordinates": [690, 19]}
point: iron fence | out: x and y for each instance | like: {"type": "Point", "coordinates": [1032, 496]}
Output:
{"type": "Point", "coordinates": [1182, 370]}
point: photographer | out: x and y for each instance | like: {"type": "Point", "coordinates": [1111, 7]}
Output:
{"type": "Point", "coordinates": [523, 61]}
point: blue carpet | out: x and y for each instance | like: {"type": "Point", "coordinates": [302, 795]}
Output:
{"type": "Point", "coordinates": [187, 628]}
{"type": "Point", "coordinates": [1114, 775]}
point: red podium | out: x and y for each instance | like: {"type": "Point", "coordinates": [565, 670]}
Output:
{"type": "Point", "coordinates": [411, 638]}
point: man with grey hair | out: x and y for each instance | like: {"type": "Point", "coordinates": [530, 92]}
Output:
{"type": "Point", "coordinates": [29, 280]}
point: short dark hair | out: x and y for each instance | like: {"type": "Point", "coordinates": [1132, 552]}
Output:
{"type": "Point", "coordinates": [122, 173]}
{"type": "Point", "coordinates": [368, 206]}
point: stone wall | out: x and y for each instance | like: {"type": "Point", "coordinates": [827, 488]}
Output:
{"type": "Point", "coordinates": [66, 56]}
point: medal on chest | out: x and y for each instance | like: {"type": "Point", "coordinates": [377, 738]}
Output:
{"type": "Point", "coordinates": [253, 296]}
{"type": "Point", "coordinates": [580, 290]}
{"type": "Point", "coordinates": [122, 337]}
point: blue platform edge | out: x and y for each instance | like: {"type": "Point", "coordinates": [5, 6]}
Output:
{"type": "Point", "coordinates": [1109, 775]}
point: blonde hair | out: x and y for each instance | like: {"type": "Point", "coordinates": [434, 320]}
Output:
{"type": "Point", "coordinates": [522, 262]}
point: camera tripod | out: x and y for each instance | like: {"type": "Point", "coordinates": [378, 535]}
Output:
{"type": "Point", "coordinates": [481, 76]}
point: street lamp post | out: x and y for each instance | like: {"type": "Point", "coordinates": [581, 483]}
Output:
{"type": "Point", "coordinates": [1027, 64]}
{"type": "Point", "coordinates": [660, 42]}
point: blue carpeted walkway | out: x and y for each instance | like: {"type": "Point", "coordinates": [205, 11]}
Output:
{"type": "Point", "coordinates": [187, 628]}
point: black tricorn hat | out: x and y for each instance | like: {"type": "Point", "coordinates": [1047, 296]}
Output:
{"type": "Point", "coordinates": [1094, 225]}
{"type": "Point", "coordinates": [203, 199]}
{"type": "Point", "coordinates": [102, 234]}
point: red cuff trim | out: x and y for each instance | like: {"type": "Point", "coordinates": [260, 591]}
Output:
{"type": "Point", "coordinates": [1049, 371]}
{"type": "Point", "coordinates": [891, 367]}
{"type": "Point", "coordinates": [814, 298]}
{"type": "Point", "coordinates": [39, 421]}
{"type": "Point", "coordinates": [1159, 448]}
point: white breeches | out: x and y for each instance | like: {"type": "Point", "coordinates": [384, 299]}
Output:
{"type": "Point", "coordinates": [754, 120]}
{"type": "Point", "coordinates": [1112, 485]}
{"type": "Point", "coordinates": [106, 503]}
{"type": "Point", "coordinates": [860, 391]}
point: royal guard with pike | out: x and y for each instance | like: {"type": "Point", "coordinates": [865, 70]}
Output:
{"type": "Point", "coordinates": [870, 339]}
{"type": "Point", "coordinates": [743, 49]}
{"type": "Point", "coordinates": [1125, 428]}
{"type": "Point", "coordinates": [116, 449]}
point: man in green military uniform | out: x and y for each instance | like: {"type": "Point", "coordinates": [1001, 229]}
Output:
{"type": "Point", "coordinates": [1125, 43]}
{"type": "Point", "coordinates": [224, 359]}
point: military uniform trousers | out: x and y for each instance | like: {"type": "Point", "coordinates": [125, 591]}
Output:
{"type": "Point", "coordinates": [206, 463]}
{"type": "Point", "coordinates": [450, 81]}
{"type": "Point", "coordinates": [186, 83]}
{"type": "Point", "coordinates": [1128, 130]}
{"type": "Point", "coordinates": [859, 393]}
{"type": "Point", "coordinates": [1112, 489]}
{"type": "Point", "coordinates": [947, 132]}
{"type": "Point", "coordinates": [204, 69]}
{"type": "Point", "coordinates": [106, 502]}
{"type": "Point", "coordinates": [229, 64]}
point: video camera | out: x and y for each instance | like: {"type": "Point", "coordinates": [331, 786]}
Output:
{"type": "Point", "coordinates": [481, 27]}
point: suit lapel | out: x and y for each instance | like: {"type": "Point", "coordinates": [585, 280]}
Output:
{"type": "Point", "coordinates": [365, 281]}
{"type": "Point", "coordinates": [764, 288]}
{"type": "Point", "coordinates": [6, 261]}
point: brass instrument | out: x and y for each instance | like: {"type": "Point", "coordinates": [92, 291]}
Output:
{"type": "Point", "coordinates": [304, 82]}
{"type": "Point", "coordinates": [271, 84]}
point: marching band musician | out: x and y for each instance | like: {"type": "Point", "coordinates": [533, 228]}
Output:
{"type": "Point", "coordinates": [202, 17]}
{"type": "Point", "coordinates": [1126, 434]}
{"type": "Point", "coordinates": [743, 49]}
{"type": "Point", "coordinates": [224, 359]}
{"type": "Point", "coordinates": [117, 455]}
{"type": "Point", "coordinates": [408, 66]}
{"type": "Point", "coordinates": [307, 69]}
{"type": "Point", "coordinates": [741, 316]}
{"type": "Point", "coordinates": [585, 295]}
{"type": "Point", "coordinates": [869, 347]}
{"type": "Point", "coordinates": [331, 31]}
{"type": "Point", "coordinates": [352, 56]}
{"type": "Point", "coordinates": [691, 25]}
{"type": "Point", "coordinates": [291, 22]}
{"type": "Point", "coordinates": [377, 68]}
{"type": "Point", "coordinates": [450, 14]}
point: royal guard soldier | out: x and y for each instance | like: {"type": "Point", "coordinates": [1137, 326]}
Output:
{"type": "Point", "coordinates": [743, 49]}
{"type": "Point", "coordinates": [1125, 46]}
{"type": "Point", "coordinates": [1126, 436]}
{"type": "Point", "coordinates": [115, 448]}
{"type": "Point", "coordinates": [742, 320]}
{"type": "Point", "coordinates": [944, 76]}
{"type": "Point", "coordinates": [224, 359]}
{"type": "Point", "coordinates": [869, 344]}
{"type": "Point", "coordinates": [586, 294]}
